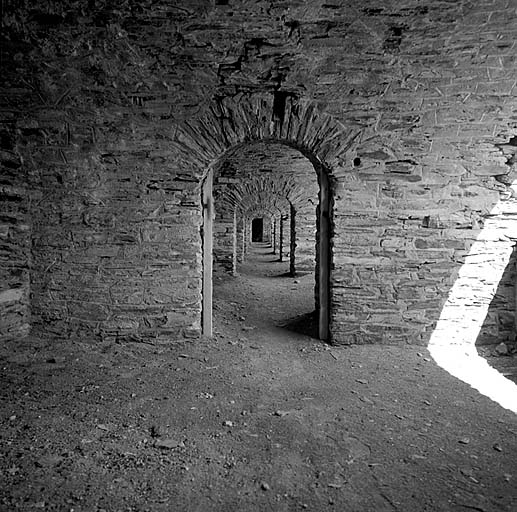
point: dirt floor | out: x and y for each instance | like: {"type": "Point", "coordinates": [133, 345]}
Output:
{"type": "Point", "coordinates": [259, 418]}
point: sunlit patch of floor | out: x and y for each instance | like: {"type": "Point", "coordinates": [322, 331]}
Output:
{"type": "Point", "coordinates": [452, 344]}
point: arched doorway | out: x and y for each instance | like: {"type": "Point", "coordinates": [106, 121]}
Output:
{"type": "Point", "coordinates": [257, 229]}
{"type": "Point", "coordinates": [228, 123]}
{"type": "Point", "coordinates": [322, 249]}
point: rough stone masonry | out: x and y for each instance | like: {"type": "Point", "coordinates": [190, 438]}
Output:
{"type": "Point", "coordinates": [112, 113]}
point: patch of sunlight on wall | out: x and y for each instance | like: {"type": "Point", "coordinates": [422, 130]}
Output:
{"type": "Point", "coordinates": [452, 344]}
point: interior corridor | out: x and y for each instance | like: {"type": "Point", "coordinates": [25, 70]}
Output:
{"type": "Point", "coordinates": [264, 295]}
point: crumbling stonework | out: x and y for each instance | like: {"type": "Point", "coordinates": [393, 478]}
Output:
{"type": "Point", "coordinates": [112, 116]}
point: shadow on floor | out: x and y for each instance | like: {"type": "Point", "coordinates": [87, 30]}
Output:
{"type": "Point", "coordinates": [306, 324]}
{"type": "Point", "coordinates": [283, 274]}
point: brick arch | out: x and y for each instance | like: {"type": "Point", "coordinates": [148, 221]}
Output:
{"type": "Point", "coordinates": [229, 123]}
{"type": "Point", "coordinates": [257, 190]}
{"type": "Point", "coordinates": [284, 187]}
{"type": "Point", "coordinates": [263, 209]}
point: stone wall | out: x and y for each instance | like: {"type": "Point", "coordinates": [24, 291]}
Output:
{"type": "Point", "coordinates": [15, 221]}
{"type": "Point", "coordinates": [116, 112]}
{"type": "Point", "coordinates": [305, 233]}
{"type": "Point", "coordinates": [15, 230]}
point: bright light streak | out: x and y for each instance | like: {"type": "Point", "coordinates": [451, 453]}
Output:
{"type": "Point", "coordinates": [452, 343]}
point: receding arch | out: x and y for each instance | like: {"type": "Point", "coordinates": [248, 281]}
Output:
{"type": "Point", "coordinates": [234, 191]}
{"type": "Point", "coordinates": [271, 212]}
{"type": "Point", "coordinates": [267, 212]}
{"type": "Point", "coordinates": [282, 200]}
{"type": "Point", "coordinates": [230, 123]}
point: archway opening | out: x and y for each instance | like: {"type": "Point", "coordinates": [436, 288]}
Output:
{"type": "Point", "coordinates": [268, 193]}
{"type": "Point", "coordinates": [257, 230]}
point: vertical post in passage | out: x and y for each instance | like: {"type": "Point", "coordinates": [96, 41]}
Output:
{"type": "Point", "coordinates": [208, 216]}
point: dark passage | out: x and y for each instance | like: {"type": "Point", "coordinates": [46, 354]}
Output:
{"type": "Point", "coordinates": [257, 230]}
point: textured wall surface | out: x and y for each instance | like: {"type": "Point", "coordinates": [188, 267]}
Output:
{"type": "Point", "coordinates": [117, 111]}
{"type": "Point", "coordinates": [14, 245]}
